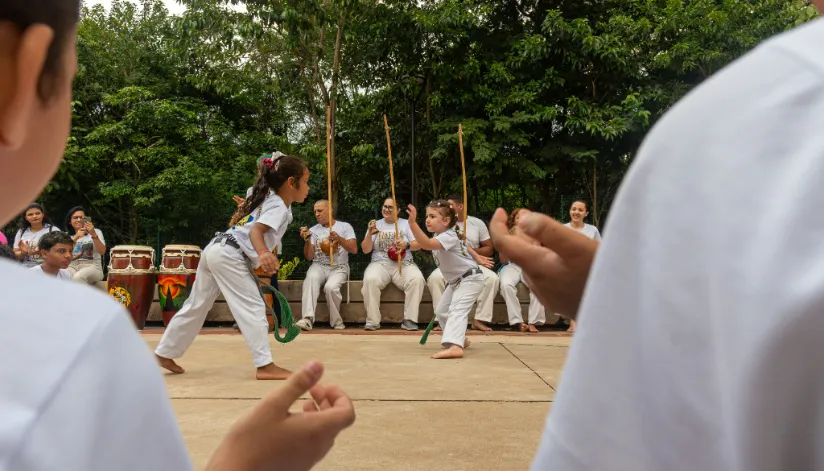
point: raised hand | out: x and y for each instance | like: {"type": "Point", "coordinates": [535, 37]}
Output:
{"type": "Point", "coordinates": [413, 213]}
{"type": "Point", "coordinates": [557, 269]}
{"type": "Point", "coordinates": [272, 438]}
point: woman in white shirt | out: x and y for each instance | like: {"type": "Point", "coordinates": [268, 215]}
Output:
{"type": "Point", "coordinates": [386, 247]}
{"type": "Point", "coordinates": [577, 212]}
{"type": "Point", "coordinates": [26, 243]}
{"type": "Point", "coordinates": [89, 247]}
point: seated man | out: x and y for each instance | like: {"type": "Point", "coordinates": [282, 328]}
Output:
{"type": "Point", "coordinates": [386, 246]}
{"type": "Point", "coordinates": [477, 237]}
{"type": "Point", "coordinates": [320, 242]}
{"type": "Point", "coordinates": [56, 250]}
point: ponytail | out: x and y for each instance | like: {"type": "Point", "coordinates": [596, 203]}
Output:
{"type": "Point", "coordinates": [274, 172]}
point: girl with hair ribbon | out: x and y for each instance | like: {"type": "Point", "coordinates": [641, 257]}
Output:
{"type": "Point", "coordinates": [227, 262]}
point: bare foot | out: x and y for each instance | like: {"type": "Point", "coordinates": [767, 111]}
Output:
{"type": "Point", "coordinates": [571, 327]}
{"type": "Point", "coordinates": [437, 328]}
{"type": "Point", "coordinates": [451, 352]}
{"type": "Point", "coordinates": [169, 364]}
{"type": "Point", "coordinates": [467, 343]}
{"type": "Point", "coordinates": [272, 372]}
{"type": "Point", "coordinates": [533, 329]}
{"type": "Point", "coordinates": [524, 328]}
{"type": "Point", "coordinates": [478, 325]}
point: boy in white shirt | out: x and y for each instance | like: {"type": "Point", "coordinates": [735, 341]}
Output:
{"type": "Point", "coordinates": [319, 240]}
{"type": "Point", "coordinates": [700, 330]}
{"type": "Point", "coordinates": [56, 253]}
{"type": "Point", "coordinates": [79, 390]}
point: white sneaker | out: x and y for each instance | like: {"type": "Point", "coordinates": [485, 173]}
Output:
{"type": "Point", "coordinates": [304, 324]}
{"type": "Point", "coordinates": [339, 326]}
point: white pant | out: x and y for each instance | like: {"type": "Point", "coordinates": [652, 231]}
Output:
{"type": "Point", "coordinates": [486, 300]}
{"type": "Point", "coordinates": [454, 306]}
{"type": "Point", "coordinates": [378, 275]}
{"type": "Point", "coordinates": [222, 269]}
{"type": "Point", "coordinates": [86, 271]}
{"type": "Point", "coordinates": [511, 275]}
{"type": "Point", "coordinates": [334, 278]}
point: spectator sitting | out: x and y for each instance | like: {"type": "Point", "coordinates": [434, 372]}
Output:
{"type": "Point", "coordinates": [56, 252]}
{"type": "Point", "coordinates": [89, 246]}
{"type": "Point", "coordinates": [36, 223]}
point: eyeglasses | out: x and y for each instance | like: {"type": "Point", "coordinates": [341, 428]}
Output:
{"type": "Point", "coordinates": [388, 208]}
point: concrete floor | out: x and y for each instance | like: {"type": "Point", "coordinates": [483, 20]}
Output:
{"type": "Point", "coordinates": [491, 404]}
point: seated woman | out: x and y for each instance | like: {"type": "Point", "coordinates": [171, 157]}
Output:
{"type": "Point", "coordinates": [577, 212]}
{"type": "Point", "coordinates": [35, 225]}
{"type": "Point", "coordinates": [386, 246]}
{"type": "Point", "coordinates": [89, 247]}
{"type": "Point", "coordinates": [511, 276]}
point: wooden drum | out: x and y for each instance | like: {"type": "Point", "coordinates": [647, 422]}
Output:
{"type": "Point", "coordinates": [176, 277]}
{"type": "Point", "coordinates": [131, 279]}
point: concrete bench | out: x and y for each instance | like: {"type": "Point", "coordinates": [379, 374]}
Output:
{"type": "Point", "coordinates": [352, 307]}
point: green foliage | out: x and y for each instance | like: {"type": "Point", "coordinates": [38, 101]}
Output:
{"type": "Point", "coordinates": [554, 98]}
{"type": "Point", "coordinates": [287, 268]}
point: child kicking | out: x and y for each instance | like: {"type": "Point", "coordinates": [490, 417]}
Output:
{"type": "Point", "coordinates": [56, 251]}
{"type": "Point", "coordinates": [459, 265]}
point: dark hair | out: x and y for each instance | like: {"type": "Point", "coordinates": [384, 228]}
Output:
{"type": "Point", "coordinates": [54, 238]}
{"type": "Point", "coordinates": [26, 225]}
{"type": "Point", "coordinates": [510, 221]}
{"type": "Point", "coordinates": [586, 206]}
{"type": "Point", "coordinates": [273, 177]}
{"type": "Point", "coordinates": [456, 197]}
{"type": "Point", "coordinates": [59, 15]}
{"type": "Point", "coordinates": [445, 209]}
{"type": "Point", "coordinates": [7, 252]}
{"type": "Point", "coordinates": [68, 224]}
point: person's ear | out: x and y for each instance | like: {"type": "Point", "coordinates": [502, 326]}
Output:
{"type": "Point", "coordinates": [22, 58]}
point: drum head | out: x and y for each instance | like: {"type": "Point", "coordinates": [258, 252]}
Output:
{"type": "Point", "coordinates": [126, 248]}
{"type": "Point", "coordinates": [178, 248]}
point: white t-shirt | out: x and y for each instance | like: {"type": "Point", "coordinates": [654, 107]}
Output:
{"type": "Point", "coordinates": [271, 192]}
{"type": "Point", "coordinates": [454, 260]}
{"type": "Point", "coordinates": [588, 230]}
{"type": "Point", "coordinates": [698, 345]}
{"type": "Point", "coordinates": [476, 233]}
{"type": "Point", "coordinates": [84, 248]}
{"type": "Point", "coordinates": [385, 238]}
{"type": "Point", "coordinates": [272, 212]}
{"type": "Point", "coordinates": [33, 239]}
{"type": "Point", "coordinates": [62, 273]}
{"type": "Point", "coordinates": [321, 233]}
{"type": "Point", "coordinates": [79, 389]}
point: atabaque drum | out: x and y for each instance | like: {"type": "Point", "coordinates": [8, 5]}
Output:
{"type": "Point", "coordinates": [175, 278]}
{"type": "Point", "coordinates": [131, 279]}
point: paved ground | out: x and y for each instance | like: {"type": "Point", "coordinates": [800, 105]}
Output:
{"type": "Point", "coordinates": [491, 404]}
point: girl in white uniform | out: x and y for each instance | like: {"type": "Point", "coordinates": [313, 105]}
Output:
{"type": "Point", "coordinates": [511, 276]}
{"type": "Point", "coordinates": [257, 228]}
{"type": "Point", "coordinates": [577, 212]}
{"type": "Point", "coordinates": [459, 267]}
